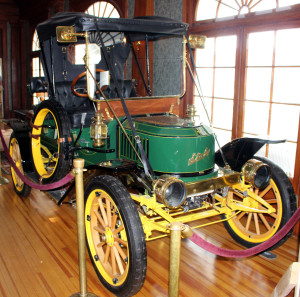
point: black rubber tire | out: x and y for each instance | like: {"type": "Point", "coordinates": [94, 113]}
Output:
{"type": "Point", "coordinates": [64, 131]}
{"type": "Point", "coordinates": [23, 190]}
{"type": "Point", "coordinates": [133, 281]}
{"type": "Point", "coordinates": [288, 199]}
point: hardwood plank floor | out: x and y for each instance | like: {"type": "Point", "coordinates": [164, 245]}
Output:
{"type": "Point", "coordinates": [38, 257]}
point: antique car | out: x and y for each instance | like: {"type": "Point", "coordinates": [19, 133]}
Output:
{"type": "Point", "coordinates": [114, 90]}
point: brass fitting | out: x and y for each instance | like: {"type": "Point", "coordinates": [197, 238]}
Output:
{"type": "Point", "coordinates": [98, 130]}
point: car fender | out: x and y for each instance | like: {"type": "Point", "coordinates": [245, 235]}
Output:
{"type": "Point", "coordinates": [238, 151]}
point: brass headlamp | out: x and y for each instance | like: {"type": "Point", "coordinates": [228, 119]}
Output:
{"type": "Point", "coordinates": [256, 173]}
{"type": "Point", "coordinates": [170, 191]}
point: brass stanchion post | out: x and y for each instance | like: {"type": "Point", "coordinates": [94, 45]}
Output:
{"type": "Point", "coordinates": [175, 246]}
{"type": "Point", "coordinates": [78, 171]}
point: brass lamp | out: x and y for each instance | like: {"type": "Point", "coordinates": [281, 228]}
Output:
{"type": "Point", "coordinates": [98, 130]}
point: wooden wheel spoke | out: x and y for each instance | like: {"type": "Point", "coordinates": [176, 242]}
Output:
{"type": "Point", "coordinates": [272, 201]}
{"type": "Point", "coordinates": [18, 180]}
{"type": "Point", "coordinates": [257, 228]}
{"type": "Point", "coordinates": [113, 262]}
{"type": "Point", "coordinates": [265, 191]}
{"type": "Point", "coordinates": [265, 222]}
{"type": "Point", "coordinates": [119, 261]}
{"type": "Point", "coordinates": [108, 212]}
{"type": "Point", "coordinates": [99, 218]}
{"type": "Point", "coordinates": [107, 252]}
{"type": "Point", "coordinates": [273, 215]}
{"type": "Point", "coordinates": [240, 216]}
{"type": "Point", "coordinates": [123, 242]}
{"type": "Point", "coordinates": [121, 252]}
{"type": "Point", "coordinates": [248, 221]}
{"type": "Point", "coordinates": [114, 218]}
{"type": "Point", "coordinates": [102, 243]}
{"type": "Point", "coordinates": [103, 212]}
{"type": "Point", "coordinates": [118, 230]}
{"type": "Point", "coordinates": [99, 229]}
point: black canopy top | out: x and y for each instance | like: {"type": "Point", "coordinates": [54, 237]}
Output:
{"type": "Point", "coordinates": [153, 26]}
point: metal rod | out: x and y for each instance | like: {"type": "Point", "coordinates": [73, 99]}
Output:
{"type": "Point", "coordinates": [78, 165]}
{"type": "Point", "coordinates": [148, 66]}
{"type": "Point", "coordinates": [78, 171]}
{"type": "Point", "coordinates": [176, 229]}
{"type": "Point", "coordinates": [175, 246]}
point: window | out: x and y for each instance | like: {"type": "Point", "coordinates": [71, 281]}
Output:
{"type": "Point", "coordinates": [37, 69]}
{"type": "Point", "coordinates": [211, 9]}
{"type": "Point", "coordinates": [216, 70]}
{"type": "Point", "coordinates": [103, 9]}
{"type": "Point", "coordinates": [266, 101]}
{"type": "Point", "coordinates": [272, 100]}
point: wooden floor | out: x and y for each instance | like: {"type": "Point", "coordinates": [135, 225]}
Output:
{"type": "Point", "coordinates": [38, 257]}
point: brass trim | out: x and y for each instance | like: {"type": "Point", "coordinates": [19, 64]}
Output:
{"type": "Point", "coordinates": [197, 41]}
{"type": "Point", "coordinates": [199, 156]}
{"type": "Point", "coordinates": [212, 184]}
{"type": "Point", "coordinates": [66, 34]}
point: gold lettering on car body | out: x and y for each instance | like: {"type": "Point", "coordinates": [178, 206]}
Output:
{"type": "Point", "coordinates": [197, 157]}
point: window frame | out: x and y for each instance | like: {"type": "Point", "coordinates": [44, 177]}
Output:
{"type": "Point", "coordinates": [241, 27]}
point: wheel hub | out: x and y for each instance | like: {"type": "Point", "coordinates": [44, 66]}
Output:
{"type": "Point", "coordinates": [109, 236]}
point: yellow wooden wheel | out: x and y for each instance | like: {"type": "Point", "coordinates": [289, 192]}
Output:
{"type": "Point", "coordinates": [251, 228]}
{"type": "Point", "coordinates": [115, 237]}
{"type": "Point", "coordinates": [50, 134]}
{"type": "Point", "coordinates": [19, 186]}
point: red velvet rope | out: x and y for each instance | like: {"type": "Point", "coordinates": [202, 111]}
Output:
{"type": "Point", "coordinates": [248, 252]}
{"type": "Point", "coordinates": [52, 186]}
{"type": "Point", "coordinates": [195, 238]}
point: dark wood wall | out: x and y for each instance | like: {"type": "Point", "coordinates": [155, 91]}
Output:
{"type": "Point", "coordinates": [10, 52]}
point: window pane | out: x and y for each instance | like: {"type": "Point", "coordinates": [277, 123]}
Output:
{"type": "Point", "coordinates": [206, 10]}
{"type": "Point", "coordinates": [225, 51]}
{"type": "Point", "coordinates": [108, 12]}
{"type": "Point", "coordinates": [206, 81]}
{"type": "Point", "coordinates": [262, 5]}
{"type": "Point", "coordinates": [287, 47]}
{"type": "Point", "coordinates": [115, 14]}
{"type": "Point", "coordinates": [201, 111]}
{"type": "Point", "coordinates": [285, 122]}
{"type": "Point", "coordinates": [258, 84]}
{"type": "Point", "coordinates": [35, 42]}
{"type": "Point", "coordinates": [227, 8]}
{"type": "Point", "coordinates": [223, 137]}
{"type": "Point", "coordinates": [205, 57]}
{"type": "Point", "coordinates": [284, 155]}
{"type": "Point", "coordinates": [260, 48]}
{"type": "Point", "coordinates": [286, 85]}
{"type": "Point", "coordinates": [256, 121]}
{"type": "Point", "coordinates": [224, 83]}
{"type": "Point", "coordinates": [103, 9]}
{"type": "Point", "coordinates": [288, 2]}
{"type": "Point", "coordinates": [223, 113]}
{"type": "Point", "coordinates": [35, 67]}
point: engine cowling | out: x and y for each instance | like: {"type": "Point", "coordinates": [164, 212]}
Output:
{"type": "Point", "coordinates": [173, 145]}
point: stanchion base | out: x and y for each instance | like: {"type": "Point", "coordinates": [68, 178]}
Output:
{"type": "Point", "coordinates": [87, 295]}
{"type": "Point", "coordinates": [268, 255]}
